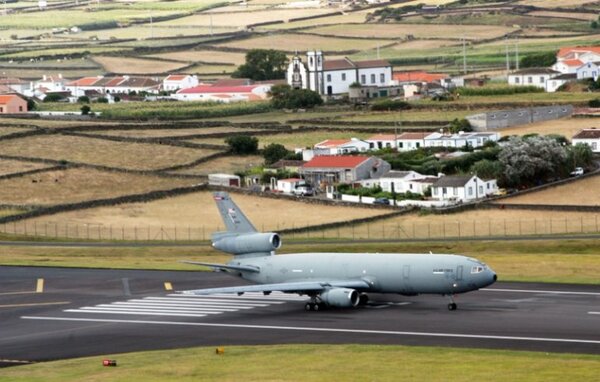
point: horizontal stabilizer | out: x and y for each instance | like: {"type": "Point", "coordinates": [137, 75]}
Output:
{"type": "Point", "coordinates": [295, 287]}
{"type": "Point", "coordinates": [241, 268]}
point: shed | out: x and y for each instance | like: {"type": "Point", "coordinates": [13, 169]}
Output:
{"type": "Point", "coordinates": [227, 180]}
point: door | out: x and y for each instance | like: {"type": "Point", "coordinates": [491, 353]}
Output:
{"type": "Point", "coordinates": [459, 273]}
{"type": "Point", "coordinates": [329, 90]}
{"type": "Point", "coordinates": [406, 273]}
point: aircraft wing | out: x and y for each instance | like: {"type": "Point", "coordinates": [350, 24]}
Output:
{"type": "Point", "coordinates": [221, 267]}
{"type": "Point", "coordinates": [295, 287]}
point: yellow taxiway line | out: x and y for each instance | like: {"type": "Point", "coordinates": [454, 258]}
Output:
{"type": "Point", "coordinates": [35, 304]}
{"type": "Point", "coordinates": [168, 286]}
{"type": "Point", "coordinates": [40, 286]}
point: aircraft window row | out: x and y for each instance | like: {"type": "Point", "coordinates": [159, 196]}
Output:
{"type": "Point", "coordinates": [477, 269]}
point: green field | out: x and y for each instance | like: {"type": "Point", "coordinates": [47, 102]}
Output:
{"type": "Point", "coordinates": [318, 363]}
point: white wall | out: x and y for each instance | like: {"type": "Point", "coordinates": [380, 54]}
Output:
{"type": "Point", "coordinates": [593, 143]}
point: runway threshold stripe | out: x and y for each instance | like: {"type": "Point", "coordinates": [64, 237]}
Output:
{"type": "Point", "coordinates": [593, 312]}
{"type": "Point", "coordinates": [245, 296]}
{"type": "Point", "coordinates": [162, 308]}
{"type": "Point", "coordinates": [199, 300]}
{"type": "Point", "coordinates": [143, 310]}
{"type": "Point", "coordinates": [539, 291]}
{"type": "Point", "coordinates": [329, 330]}
{"type": "Point", "coordinates": [173, 306]}
{"type": "Point", "coordinates": [131, 313]}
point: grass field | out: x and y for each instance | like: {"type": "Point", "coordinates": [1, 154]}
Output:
{"type": "Point", "coordinates": [354, 17]}
{"type": "Point", "coordinates": [565, 126]}
{"type": "Point", "coordinates": [574, 194]}
{"type": "Point", "coordinates": [6, 130]}
{"type": "Point", "coordinates": [227, 165]}
{"type": "Point", "coordinates": [141, 156]}
{"type": "Point", "coordinates": [130, 65]}
{"type": "Point", "coordinates": [469, 32]}
{"type": "Point", "coordinates": [75, 185]}
{"type": "Point", "coordinates": [563, 3]}
{"type": "Point", "coordinates": [163, 133]}
{"type": "Point", "coordinates": [210, 56]}
{"type": "Point", "coordinates": [8, 166]}
{"type": "Point", "coordinates": [290, 42]}
{"type": "Point", "coordinates": [207, 69]}
{"type": "Point", "coordinates": [328, 362]}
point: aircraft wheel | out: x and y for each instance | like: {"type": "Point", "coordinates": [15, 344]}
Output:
{"type": "Point", "coordinates": [317, 307]}
{"type": "Point", "coordinates": [452, 306]}
{"type": "Point", "coordinates": [308, 307]}
{"type": "Point", "coordinates": [363, 299]}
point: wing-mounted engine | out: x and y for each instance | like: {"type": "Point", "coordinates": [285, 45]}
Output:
{"type": "Point", "coordinates": [340, 297]}
{"type": "Point", "coordinates": [245, 244]}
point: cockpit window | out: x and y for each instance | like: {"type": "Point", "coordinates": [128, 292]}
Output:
{"type": "Point", "coordinates": [477, 269]}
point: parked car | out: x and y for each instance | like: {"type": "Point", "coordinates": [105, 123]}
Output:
{"type": "Point", "coordinates": [501, 192]}
{"type": "Point", "coordinates": [578, 171]}
{"type": "Point", "coordinates": [304, 190]}
{"type": "Point", "coordinates": [382, 201]}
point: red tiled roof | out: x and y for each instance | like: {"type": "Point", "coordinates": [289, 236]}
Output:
{"type": "Point", "coordinates": [6, 98]}
{"type": "Point", "coordinates": [208, 89]}
{"type": "Point", "coordinates": [418, 76]}
{"type": "Point", "coordinates": [592, 133]}
{"type": "Point", "coordinates": [85, 81]}
{"type": "Point", "coordinates": [175, 77]}
{"type": "Point", "coordinates": [226, 82]}
{"type": "Point", "coordinates": [343, 63]}
{"type": "Point", "coordinates": [290, 180]}
{"type": "Point", "coordinates": [580, 49]}
{"type": "Point", "coordinates": [329, 143]}
{"type": "Point", "coordinates": [573, 62]}
{"type": "Point", "coordinates": [413, 135]}
{"type": "Point", "coordinates": [382, 137]}
{"type": "Point", "coordinates": [335, 161]}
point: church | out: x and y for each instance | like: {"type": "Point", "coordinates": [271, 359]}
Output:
{"type": "Point", "coordinates": [333, 77]}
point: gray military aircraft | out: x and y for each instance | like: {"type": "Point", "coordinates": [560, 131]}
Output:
{"type": "Point", "coordinates": [335, 279]}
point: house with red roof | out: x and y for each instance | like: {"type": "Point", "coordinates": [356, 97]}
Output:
{"type": "Point", "coordinates": [12, 104]}
{"type": "Point", "coordinates": [174, 82]}
{"type": "Point", "coordinates": [225, 94]}
{"type": "Point", "coordinates": [334, 77]}
{"type": "Point", "coordinates": [382, 141]}
{"type": "Point", "coordinates": [590, 137]}
{"type": "Point", "coordinates": [411, 77]}
{"type": "Point", "coordinates": [328, 170]}
{"type": "Point", "coordinates": [567, 66]}
{"type": "Point", "coordinates": [113, 85]}
{"type": "Point", "coordinates": [336, 147]}
{"type": "Point", "coordinates": [584, 54]}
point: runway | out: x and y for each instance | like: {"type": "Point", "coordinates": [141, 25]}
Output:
{"type": "Point", "coordinates": [55, 313]}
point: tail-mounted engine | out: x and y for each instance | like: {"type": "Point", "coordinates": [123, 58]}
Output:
{"type": "Point", "coordinates": [242, 244]}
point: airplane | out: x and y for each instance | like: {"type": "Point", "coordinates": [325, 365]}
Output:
{"type": "Point", "coordinates": [339, 280]}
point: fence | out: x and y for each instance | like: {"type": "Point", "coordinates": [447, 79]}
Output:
{"type": "Point", "coordinates": [384, 229]}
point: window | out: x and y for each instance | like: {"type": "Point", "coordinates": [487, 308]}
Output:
{"type": "Point", "coordinates": [382, 78]}
{"type": "Point", "coordinates": [20, 108]}
{"type": "Point", "coordinates": [418, 144]}
{"type": "Point", "coordinates": [363, 79]}
{"type": "Point", "coordinates": [477, 269]}
{"type": "Point", "coordinates": [517, 80]}
{"type": "Point", "coordinates": [401, 145]}
{"type": "Point", "coordinates": [470, 191]}
{"type": "Point", "coordinates": [1, 109]}
{"type": "Point", "coordinates": [594, 146]}
{"type": "Point", "coordinates": [343, 76]}
{"type": "Point", "coordinates": [481, 190]}
{"type": "Point", "coordinates": [530, 80]}
{"type": "Point", "coordinates": [329, 78]}
{"type": "Point", "coordinates": [541, 80]}
{"type": "Point", "coordinates": [372, 78]}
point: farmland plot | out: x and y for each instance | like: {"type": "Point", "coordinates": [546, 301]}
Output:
{"type": "Point", "coordinates": [227, 165]}
{"type": "Point", "coordinates": [136, 65]}
{"type": "Point", "coordinates": [579, 193]}
{"type": "Point", "coordinates": [170, 133]}
{"type": "Point", "coordinates": [8, 166]}
{"type": "Point", "coordinates": [208, 56]}
{"type": "Point", "coordinates": [566, 127]}
{"type": "Point", "coordinates": [140, 156]}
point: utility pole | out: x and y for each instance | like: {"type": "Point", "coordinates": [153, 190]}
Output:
{"type": "Point", "coordinates": [517, 54]}
{"type": "Point", "coordinates": [464, 55]}
{"type": "Point", "coordinates": [507, 56]}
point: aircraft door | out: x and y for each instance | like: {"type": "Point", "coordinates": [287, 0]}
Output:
{"type": "Point", "coordinates": [459, 273]}
{"type": "Point", "coordinates": [406, 273]}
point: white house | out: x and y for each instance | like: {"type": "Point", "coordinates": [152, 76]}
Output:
{"type": "Point", "coordinates": [405, 181]}
{"type": "Point", "coordinates": [382, 141]}
{"type": "Point", "coordinates": [331, 77]}
{"type": "Point", "coordinates": [288, 185]}
{"type": "Point", "coordinates": [567, 66]}
{"type": "Point", "coordinates": [532, 77]}
{"type": "Point", "coordinates": [411, 141]}
{"type": "Point", "coordinates": [473, 139]}
{"type": "Point", "coordinates": [113, 85]}
{"type": "Point", "coordinates": [590, 137]}
{"type": "Point", "coordinates": [584, 54]}
{"type": "Point", "coordinates": [175, 82]}
{"type": "Point", "coordinates": [336, 147]}
{"type": "Point", "coordinates": [554, 83]}
{"type": "Point", "coordinates": [225, 94]}
{"type": "Point", "coordinates": [463, 188]}
{"type": "Point", "coordinates": [588, 70]}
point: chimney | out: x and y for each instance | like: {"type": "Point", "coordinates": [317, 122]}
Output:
{"type": "Point", "coordinates": [44, 77]}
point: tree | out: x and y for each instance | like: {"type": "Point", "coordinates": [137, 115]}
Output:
{"type": "Point", "coordinates": [242, 144]}
{"type": "Point", "coordinates": [83, 99]}
{"type": "Point", "coordinates": [538, 60]}
{"type": "Point", "coordinates": [487, 169]}
{"type": "Point", "coordinates": [53, 97]}
{"type": "Point", "coordinates": [263, 64]}
{"type": "Point", "coordinates": [274, 152]}
{"type": "Point", "coordinates": [31, 104]}
{"type": "Point", "coordinates": [85, 110]}
{"type": "Point", "coordinates": [580, 155]}
{"type": "Point", "coordinates": [458, 125]}
{"type": "Point", "coordinates": [284, 97]}
{"type": "Point", "coordinates": [102, 100]}
{"type": "Point", "coordinates": [531, 160]}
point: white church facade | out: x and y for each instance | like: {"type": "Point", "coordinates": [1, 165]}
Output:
{"type": "Point", "coordinates": [332, 77]}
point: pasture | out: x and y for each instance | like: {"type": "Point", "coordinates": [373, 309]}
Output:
{"type": "Point", "coordinates": [227, 165]}
{"type": "Point", "coordinates": [129, 65]}
{"type": "Point", "coordinates": [207, 56]}
{"type": "Point", "coordinates": [137, 156]}
{"type": "Point", "coordinates": [566, 127]}
{"type": "Point", "coordinates": [8, 166]}
{"type": "Point", "coordinates": [572, 194]}
{"type": "Point", "coordinates": [170, 133]}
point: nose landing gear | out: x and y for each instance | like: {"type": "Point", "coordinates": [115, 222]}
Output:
{"type": "Point", "coordinates": [452, 305]}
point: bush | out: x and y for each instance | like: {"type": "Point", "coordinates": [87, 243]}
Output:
{"type": "Point", "coordinates": [390, 105]}
{"type": "Point", "coordinates": [284, 97]}
{"type": "Point", "coordinates": [102, 100]}
{"type": "Point", "coordinates": [458, 125]}
{"type": "Point", "coordinates": [53, 98]}
{"type": "Point", "coordinates": [497, 90]}
{"type": "Point", "coordinates": [242, 144]}
{"type": "Point", "coordinates": [85, 110]}
{"type": "Point", "coordinates": [83, 99]}
{"type": "Point", "coordinates": [594, 102]}
{"type": "Point", "coordinates": [274, 152]}
{"type": "Point", "coordinates": [538, 60]}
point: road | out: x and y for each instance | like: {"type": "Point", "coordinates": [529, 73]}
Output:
{"type": "Point", "coordinates": [57, 313]}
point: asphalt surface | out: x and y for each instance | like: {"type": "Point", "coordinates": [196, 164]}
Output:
{"type": "Point", "coordinates": [84, 312]}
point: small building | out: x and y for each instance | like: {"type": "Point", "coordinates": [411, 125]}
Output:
{"type": "Point", "coordinates": [289, 185]}
{"type": "Point", "coordinates": [288, 165]}
{"type": "Point", "coordinates": [532, 77]}
{"type": "Point", "coordinates": [462, 188]}
{"type": "Point", "coordinates": [329, 169]}
{"type": "Point", "coordinates": [382, 141]}
{"type": "Point", "coordinates": [411, 141]}
{"type": "Point", "coordinates": [590, 137]}
{"type": "Point", "coordinates": [336, 147]}
{"type": "Point", "coordinates": [588, 70]}
{"type": "Point", "coordinates": [225, 94]}
{"type": "Point", "coordinates": [174, 82]}
{"type": "Point", "coordinates": [12, 104]}
{"type": "Point", "coordinates": [567, 66]}
{"type": "Point", "coordinates": [226, 180]}
{"type": "Point", "coordinates": [554, 83]}
{"type": "Point", "coordinates": [584, 54]}
{"type": "Point", "coordinates": [462, 139]}
{"type": "Point", "coordinates": [403, 181]}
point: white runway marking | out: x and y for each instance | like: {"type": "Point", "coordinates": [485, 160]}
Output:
{"type": "Point", "coordinates": [539, 291]}
{"type": "Point", "coordinates": [182, 305]}
{"type": "Point", "coordinates": [325, 330]}
{"type": "Point", "coordinates": [593, 312]}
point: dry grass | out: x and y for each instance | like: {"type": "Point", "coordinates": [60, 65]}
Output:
{"type": "Point", "coordinates": [448, 31]}
{"type": "Point", "coordinates": [242, 19]}
{"type": "Point", "coordinates": [8, 166]}
{"type": "Point", "coordinates": [290, 42]}
{"type": "Point", "coordinates": [571, 15]}
{"type": "Point", "coordinates": [565, 126]}
{"type": "Point", "coordinates": [164, 133]}
{"type": "Point", "coordinates": [354, 17]}
{"type": "Point", "coordinates": [53, 124]}
{"type": "Point", "coordinates": [204, 56]}
{"type": "Point", "coordinates": [563, 3]}
{"type": "Point", "coordinates": [75, 185]}
{"type": "Point", "coordinates": [412, 45]}
{"type": "Point", "coordinates": [97, 151]}
{"type": "Point", "coordinates": [211, 69]}
{"type": "Point", "coordinates": [135, 65]}
{"type": "Point", "coordinates": [228, 165]}
{"type": "Point", "coordinates": [4, 130]}
{"type": "Point", "coordinates": [194, 215]}
{"type": "Point", "coordinates": [578, 193]}
{"type": "Point", "coordinates": [471, 223]}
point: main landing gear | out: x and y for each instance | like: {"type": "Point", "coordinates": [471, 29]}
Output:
{"type": "Point", "coordinates": [313, 306]}
{"type": "Point", "coordinates": [452, 305]}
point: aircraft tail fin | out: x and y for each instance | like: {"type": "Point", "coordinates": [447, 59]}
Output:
{"type": "Point", "coordinates": [234, 219]}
